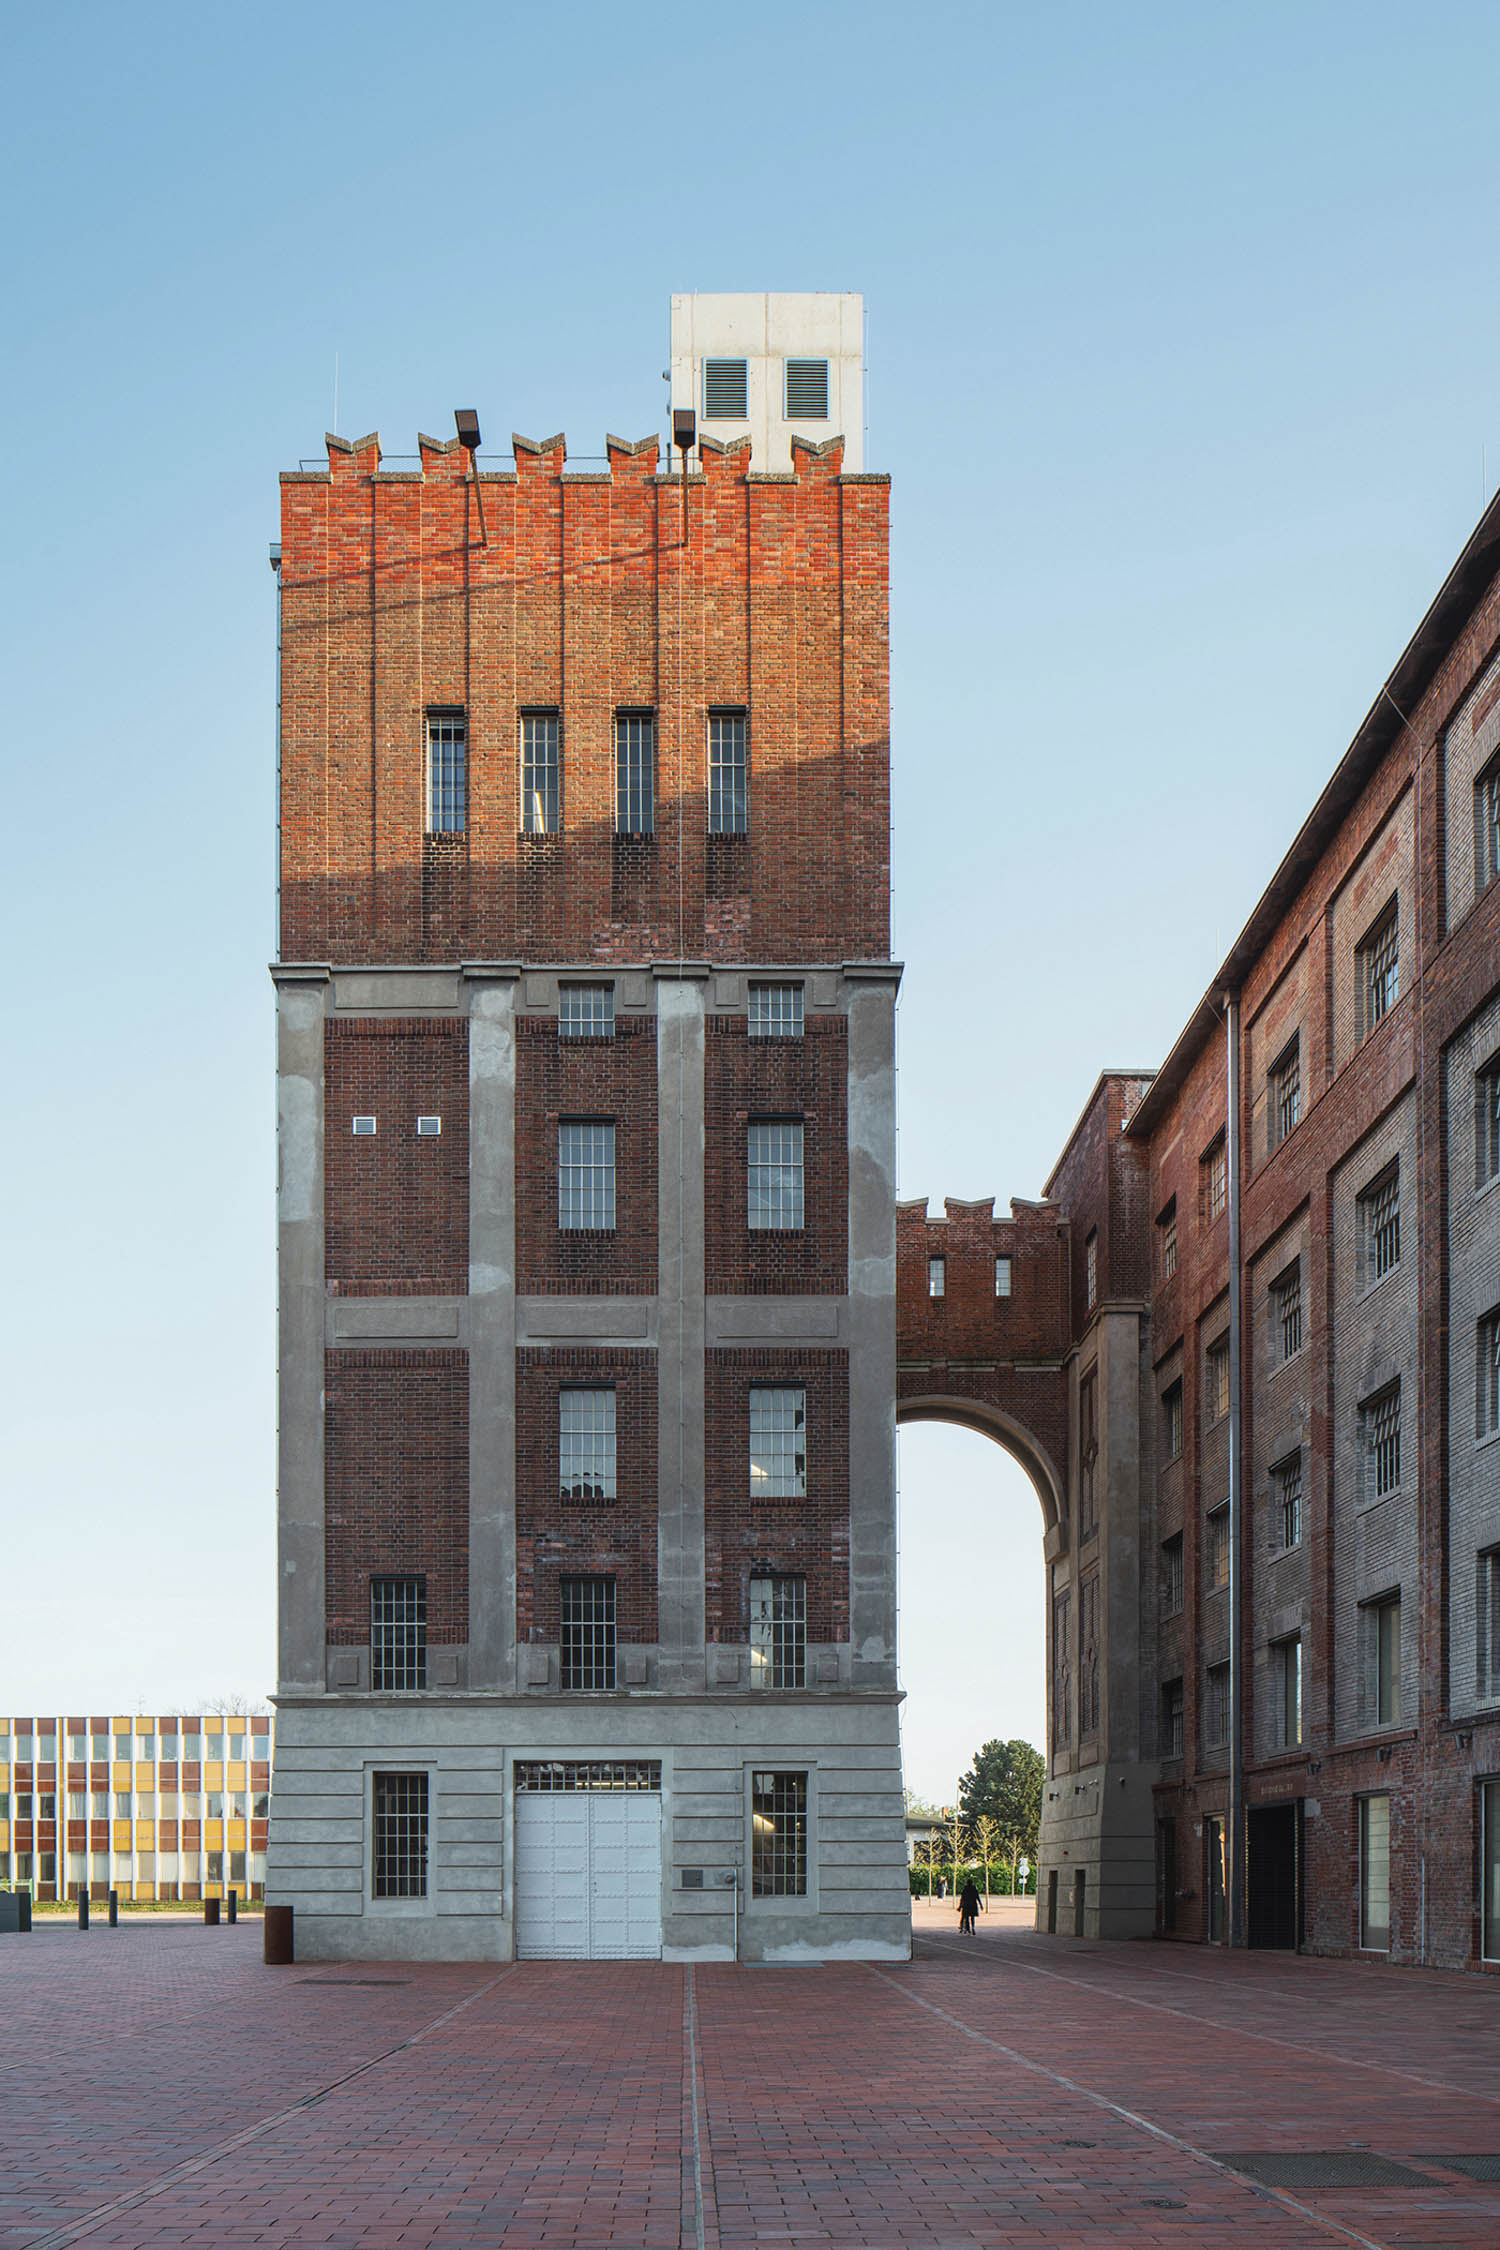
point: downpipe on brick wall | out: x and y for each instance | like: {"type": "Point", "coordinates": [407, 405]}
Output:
{"type": "Point", "coordinates": [1235, 1867]}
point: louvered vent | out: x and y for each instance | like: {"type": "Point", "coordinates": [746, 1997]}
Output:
{"type": "Point", "coordinates": [427, 1125]}
{"type": "Point", "coordinates": [725, 390]}
{"type": "Point", "coordinates": [364, 1124]}
{"type": "Point", "coordinates": [807, 390]}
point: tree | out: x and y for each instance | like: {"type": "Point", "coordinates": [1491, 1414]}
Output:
{"type": "Point", "coordinates": [1004, 1784]}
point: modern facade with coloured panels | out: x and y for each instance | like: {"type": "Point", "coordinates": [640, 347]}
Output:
{"type": "Point", "coordinates": [170, 1807]}
{"type": "Point", "coordinates": [587, 1297]}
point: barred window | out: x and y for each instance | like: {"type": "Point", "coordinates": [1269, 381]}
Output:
{"type": "Point", "coordinates": [1286, 1692]}
{"type": "Point", "coordinates": [1286, 1486]}
{"type": "Point", "coordinates": [778, 1833]}
{"type": "Point", "coordinates": [1171, 1414]}
{"type": "Point", "coordinates": [1487, 1123]}
{"type": "Point", "coordinates": [774, 1173]}
{"type": "Point", "coordinates": [1380, 969]}
{"type": "Point", "coordinates": [1217, 1379]}
{"type": "Point", "coordinates": [778, 1632]}
{"type": "Point", "coordinates": [586, 1011]}
{"type": "Point", "coordinates": [1286, 1093]}
{"type": "Point", "coordinates": [447, 781]}
{"type": "Point", "coordinates": [778, 1443]}
{"type": "Point", "coordinates": [1166, 1235]}
{"type": "Point", "coordinates": [1381, 1420]}
{"type": "Point", "coordinates": [1380, 1225]}
{"type": "Point", "coordinates": [1171, 1719]}
{"type": "Point", "coordinates": [728, 795]}
{"type": "Point", "coordinates": [1213, 1183]}
{"type": "Point", "coordinates": [586, 1443]}
{"type": "Point", "coordinates": [1286, 1301]}
{"type": "Point", "coordinates": [586, 1173]}
{"type": "Point", "coordinates": [541, 773]}
{"type": "Point", "coordinates": [1487, 1376]}
{"type": "Point", "coordinates": [635, 773]}
{"type": "Point", "coordinates": [1487, 1626]}
{"type": "Point", "coordinates": [1216, 1708]}
{"type": "Point", "coordinates": [588, 1633]}
{"type": "Point", "coordinates": [1218, 1549]}
{"type": "Point", "coordinates": [1002, 1277]}
{"type": "Point", "coordinates": [1171, 1575]}
{"type": "Point", "coordinates": [400, 1864]}
{"type": "Point", "coordinates": [1091, 1270]}
{"type": "Point", "coordinates": [398, 1634]}
{"type": "Point", "coordinates": [775, 1011]}
{"type": "Point", "coordinates": [1487, 826]}
{"type": "Point", "coordinates": [937, 1277]}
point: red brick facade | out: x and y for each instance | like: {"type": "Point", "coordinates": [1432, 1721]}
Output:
{"type": "Point", "coordinates": [558, 1079]}
{"type": "Point", "coordinates": [557, 1538]}
{"type": "Point", "coordinates": [750, 1079]}
{"type": "Point", "coordinates": [397, 1436]}
{"type": "Point", "coordinates": [396, 1202]}
{"type": "Point", "coordinates": [748, 1538]}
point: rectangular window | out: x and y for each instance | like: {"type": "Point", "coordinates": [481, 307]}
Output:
{"type": "Point", "coordinates": [541, 773]}
{"type": "Point", "coordinates": [1487, 1375]}
{"type": "Point", "coordinates": [1375, 1874]}
{"type": "Point", "coordinates": [774, 1011]}
{"type": "Point", "coordinates": [400, 1869]}
{"type": "Point", "coordinates": [1489, 1871]}
{"type": "Point", "coordinates": [807, 390]}
{"type": "Point", "coordinates": [1213, 1182]}
{"type": "Point", "coordinates": [588, 1633]}
{"type": "Point", "coordinates": [1286, 1692]}
{"type": "Point", "coordinates": [774, 1174]}
{"type": "Point", "coordinates": [1380, 1226]}
{"type": "Point", "coordinates": [1166, 1241]}
{"type": "Point", "coordinates": [1091, 1270]}
{"type": "Point", "coordinates": [1002, 1277]}
{"type": "Point", "coordinates": [778, 1443]}
{"type": "Point", "coordinates": [586, 1443]}
{"type": "Point", "coordinates": [1487, 1123]}
{"type": "Point", "coordinates": [1286, 1490]}
{"type": "Point", "coordinates": [1216, 1386]}
{"type": "Point", "coordinates": [728, 774]}
{"type": "Point", "coordinates": [1171, 1719]}
{"type": "Point", "coordinates": [586, 1173]}
{"type": "Point", "coordinates": [635, 773]}
{"type": "Point", "coordinates": [1487, 1625]}
{"type": "Point", "coordinates": [1171, 1415]}
{"type": "Point", "coordinates": [1380, 970]}
{"type": "Point", "coordinates": [1284, 1107]}
{"type": "Point", "coordinates": [1380, 1635]}
{"type": "Point", "coordinates": [726, 390]}
{"type": "Point", "coordinates": [1487, 827]}
{"type": "Point", "coordinates": [1088, 1456]}
{"type": "Point", "coordinates": [447, 780]}
{"type": "Point", "coordinates": [586, 1011]}
{"type": "Point", "coordinates": [937, 1277]}
{"type": "Point", "coordinates": [778, 1835]}
{"type": "Point", "coordinates": [1216, 1708]}
{"type": "Point", "coordinates": [1286, 1312]}
{"type": "Point", "coordinates": [778, 1632]}
{"type": "Point", "coordinates": [1217, 1549]}
{"type": "Point", "coordinates": [398, 1634]}
{"type": "Point", "coordinates": [1380, 1428]}
{"type": "Point", "coordinates": [1171, 1575]}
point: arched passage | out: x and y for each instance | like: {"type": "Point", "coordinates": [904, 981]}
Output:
{"type": "Point", "coordinates": [992, 1421]}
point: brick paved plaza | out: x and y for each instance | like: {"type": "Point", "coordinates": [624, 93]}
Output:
{"type": "Point", "coordinates": [162, 2087]}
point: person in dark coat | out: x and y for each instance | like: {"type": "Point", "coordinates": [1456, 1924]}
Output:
{"type": "Point", "coordinates": [968, 1906]}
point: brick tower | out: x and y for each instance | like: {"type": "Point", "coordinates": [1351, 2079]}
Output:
{"type": "Point", "coordinates": [587, 1247]}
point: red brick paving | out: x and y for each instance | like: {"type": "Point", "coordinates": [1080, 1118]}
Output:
{"type": "Point", "coordinates": [159, 2087]}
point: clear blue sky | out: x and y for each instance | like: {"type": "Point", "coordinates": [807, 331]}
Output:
{"type": "Point", "coordinates": [1184, 354]}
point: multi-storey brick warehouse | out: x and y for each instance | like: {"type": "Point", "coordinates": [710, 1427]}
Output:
{"type": "Point", "coordinates": [587, 1219]}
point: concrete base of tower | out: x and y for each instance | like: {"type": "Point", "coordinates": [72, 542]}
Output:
{"type": "Point", "coordinates": [763, 1827]}
{"type": "Point", "coordinates": [1096, 1873]}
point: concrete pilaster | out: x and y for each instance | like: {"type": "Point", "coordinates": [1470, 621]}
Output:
{"type": "Point", "coordinates": [492, 1329]}
{"type": "Point", "coordinates": [300, 998]}
{"type": "Point", "coordinates": [872, 1323]}
{"type": "Point", "coordinates": [680, 1357]}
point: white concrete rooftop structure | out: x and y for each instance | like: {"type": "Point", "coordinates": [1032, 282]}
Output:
{"type": "Point", "coordinates": [767, 363]}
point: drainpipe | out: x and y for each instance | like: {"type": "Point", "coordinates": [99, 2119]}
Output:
{"type": "Point", "coordinates": [1235, 1869]}
{"type": "Point", "coordinates": [276, 568]}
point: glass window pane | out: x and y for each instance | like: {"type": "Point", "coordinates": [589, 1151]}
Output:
{"type": "Point", "coordinates": [586, 1444]}
{"type": "Point", "coordinates": [727, 773]}
{"type": "Point", "coordinates": [586, 1173]}
{"type": "Point", "coordinates": [541, 773]}
{"type": "Point", "coordinates": [635, 773]}
{"type": "Point", "coordinates": [774, 1174]}
{"type": "Point", "coordinates": [447, 786]}
{"type": "Point", "coordinates": [778, 1443]}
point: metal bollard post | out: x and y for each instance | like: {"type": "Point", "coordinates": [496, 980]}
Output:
{"type": "Point", "coordinates": [278, 1938]}
{"type": "Point", "coordinates": [83, 1906]}
{"type": "Point", "coordinates": [233, 1897]}
{"type": "Point", "coordinates": [114, 1910]}
{"type": "Point", "coordinates": [25, 1910]}
{"type": "Point", "coordinates": [210, 1913]}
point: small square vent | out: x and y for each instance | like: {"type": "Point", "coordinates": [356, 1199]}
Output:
{"type": "Point", "coordinates": [692, 1878]}
{"type": "Point", "coordinates": [427, 1125]}
{"type": "Point", "coordinates": [364, 1124]}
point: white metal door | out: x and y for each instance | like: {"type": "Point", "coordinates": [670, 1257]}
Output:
{"type": "Point", "coordinates": [588, 1875]}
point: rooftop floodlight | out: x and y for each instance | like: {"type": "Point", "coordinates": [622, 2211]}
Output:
{"type": "Point", "coordinates": [466, 422]}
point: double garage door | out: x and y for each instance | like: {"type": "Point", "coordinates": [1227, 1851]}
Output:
{"type": "Point", "coordinates": [588, 1863]}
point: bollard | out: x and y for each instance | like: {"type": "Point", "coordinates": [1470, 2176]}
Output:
{"type": "Point", "coordinates": [278, 1937]}
{"type": "Point", "coordinates": [83, 1906]}
{"type": "Point", "coordinates": [233, 1897]}
{"type": "Point", "coordinates": [25, 1910]}
{"type": "Point", "coordinates": [210, 1913]}
{"type": "Point", "coordinates": [114, 1910]}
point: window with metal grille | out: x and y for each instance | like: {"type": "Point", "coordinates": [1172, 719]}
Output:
{"type": "Point", "coordinates": [400, 1861]}
{"type": "Point", "coordinates": [726, 390]}
{"type": "Point", "coordinates": [1171, 1719]}
{"type": "Point", "coordinates": [586, 1443]}
{"type": "Point", "coordinates": [447, 780]}
{"type": "Point", "coordinates": [1380, 1225]}
{"type": "Point", "coordinates": [1166, 1236]}
{"type": "Point", "coordinates": [1088, 1457]}
{"type": "Point", "coordinates": [1487, 826]}
{"type": "Point", "coordinates": [1286, 1311]}
{"type": "Point", "coordinates": [1375, 1874]}
{"type": "Point", "coordinates": [1062, 1671]}
{"type": "Point", "coordinates": [1002, 1277]}
{"type": "Point", "coordinates": [1088, 1656]}
{"type": "Point", "coordinates": [541, 773]}
{"type": "Point", "coordinates": [1382, 1638]}
{"type": "Point", "coordinates": [586, 1011]}
{"type": "Point", "coordinates": [778, 1632]}
{"type": "Point", "coordinates": [1216, 1379]}
{"type": "Point", "coordinates": [728, 774]}
{"type": "Point", "coordinates": [1381, 1428]}
{"type": "Point", "coordinates": [937, 1277]}
{"type": "Point", "coordinates": [1487, 1123]}
{"type": "Point", "coordinates": [807, 390]}
{"type": "Point", "coordinates": [635, 773]}
{"type": "Point", "coordinates": [774, 1173]}
{"type": "Point", "coordinates": [1380, 969]}
{"type": "Point", "coordinates": [1216, 1707]}
{"type": "Point", "coordinates": [1487, 1375]}
{"type": "Point", "coordinates": [1487, 1630]}
{"type": "Point", "coordinates": [1285, 1107]}
{"type": "Point", "coordinates": [1286, 1487]}
{"type": "Point", "coordinates": [587, 1637]}
{"type": "Point", "coordinates": [1171, 1414]}
{"type": "Point", "coordinates": [778, 1835]}
{"type": "Point", "coordinates": [1171, 1575]}
{"type": "Point", "coordinates": [553, 1776]}
{"type": "Point", "coordinates": [398, 1634]}
{"type": "Point", "coordinates": [1213, 1182]}
{"type": "Point", "coordinates": [586, 1173]}
{"type": "Point", "coordinates": [1217, 1549]}
{"type": "Point", "coordinates": [1091, 1271]}
{"type": "Point", "coordinates": [1286, 1692]}
{"type": "Point", "coordinates": [774, 1011]}
{"type": "Point", "coordinates": [778, 1443]}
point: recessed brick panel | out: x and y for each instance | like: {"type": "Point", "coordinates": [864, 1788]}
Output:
{"type": "Point", "coordinates": [557, 1538]}
{"type": "Point", "coordinates": [396, 1440]}
{"type": "Point", "coordinates": [811, 1535]}
{"type": "Point", "coordinates": [396, 1202]}
{"type": "Point", "coordinates": [748, 1078]}
{"type": "Point", "coordinates": [558, 1079]}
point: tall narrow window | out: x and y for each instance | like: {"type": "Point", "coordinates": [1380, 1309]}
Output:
{"type": "Point", "coordinates": [588, 1633]}
{"type": "Point", "coordinates": [1286, 1317]}
{"type": "Point", "coordinates": [1487, 1123]}
{"type": "Point", "coordinates": [1088, 1457]}
{"type": "Point", "coordinates": [586, 1011]}
{"type": "Point", "coordinates": [586, 1173]}
{"type": "Point", "coordinates": [1487, 826]}
{"type": "Point", "coordinates": [1381, 1624]}
{"type": "Point", "coordinates": [1489, 1871]}
{"type": "Point", "coordinates": [1285, 1106]}
{"type": "Point", "coordinates": [774, 1011]}
{"type": "Point", "coordinates": [728, 771]}
{"type": "Point", "coordinates": [635, 773]}
{"type": "Point", "coordinates": [1286, 1692]}
{"type": "Point", "coordinates": [1091, 1270]}
{"type": "Point", "coordinates": [1216, 1707]}
{"type": "Point", "coordinates": [1213, 1182]}
{"type": "Point", "coordinates": [400, 1840]}
{"type": "Point", "coordinates": [398, 1634]}
{"type": "Point", "coordinates": [1380, 1427]}
{"type": "Point", "coordinates": [1171, 1719]}
{"type": "Point", "coordinates": [1218, 1549]}
{"type": "Point", "coordinates": [774, 1173]}
{"type": "Point", "coordinates": [1216, 1385]}
{"type": "Point", "coordinates": [1166, 1240]}
{"type": "Point", "coordinates": [541, 773]}
{"type": "Point", "coordinates": [586, 1443]}
{"type": "Point", "coordinates": [778, 1632]}
{"type": "Point", "coordinates": [1379, 1226]}
{"type": "Point", "coordinates": [1487, 1625]}
{"type": "Point", "coordinates": [1171, 1421]}
{"type": "Point", "coordinates": [1375, 1874]}
{"type": "Point", "coordinates": [1171, 1575]}
{"type": "Point", "coordinates": [447, 779]}
{"type": "Point", "coordinates": [778, 1835]}
{"type": "Point", "coordinates": [1002, 1277]}
{"type": "Point", "coordinates": [778, 1442]}
{"type": "Point", "coordinates": [1286, 1486]}
{"type": "Point", "coordinates": [937, 1277]}
{"type": "Point", "coordinates": [1380, 969]}
{"type": "Point", "coordinates": [1487, 1375]}
{"type": "Point", "coordinates": [726, 390]}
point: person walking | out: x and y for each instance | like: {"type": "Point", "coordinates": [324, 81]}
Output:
{"type": "Point", "coordinates": [968, 1906]}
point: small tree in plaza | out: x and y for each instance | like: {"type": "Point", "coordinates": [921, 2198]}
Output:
{"type": "Point", "coordinates": [1004, 1787]}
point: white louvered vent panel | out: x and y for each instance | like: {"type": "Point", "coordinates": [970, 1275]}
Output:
{"type": "Point", "coordinates": [807, 390]}
{"type": "Point", "coordinates": [726, 390]}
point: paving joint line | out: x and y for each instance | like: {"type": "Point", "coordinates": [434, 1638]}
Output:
{"type": "Point", "coordinates": [76, 2228]}
{"type": "Point", "coordinates": [690, 2073]}
{"type": "Point", "coordinates": [1214, 2023]}
{"type": "Point", "coordinates": [1133, 2117]}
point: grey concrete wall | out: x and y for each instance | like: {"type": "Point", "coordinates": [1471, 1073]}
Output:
{"type": "Point", "coordinates": [300, 999]}
{"type": "Point", "coordinates": [491, 1325]}
{"type": "Point", "coordinates": [680, 1314]}
{"type": "Point", "coordinates": [872, 1324]}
